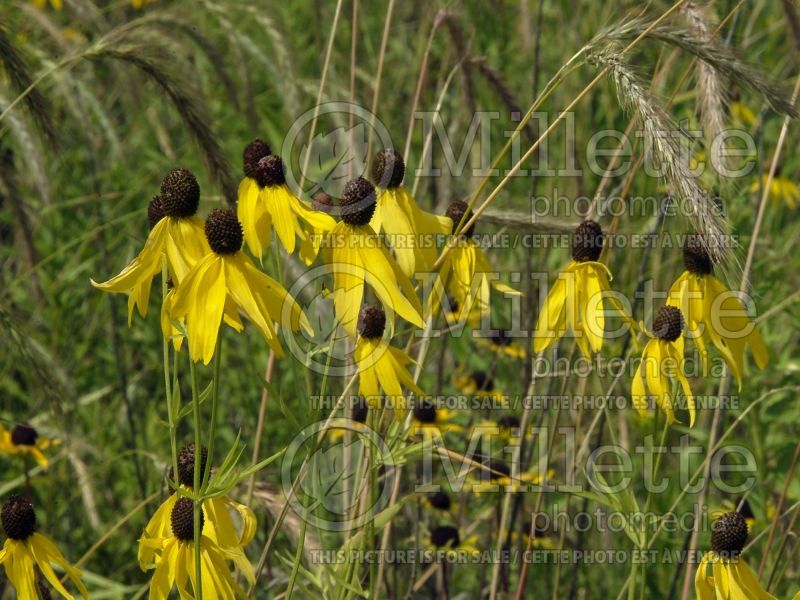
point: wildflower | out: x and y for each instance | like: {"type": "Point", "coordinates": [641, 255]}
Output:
{"type": "Point", "coordinates": [381, 367]}
{"type": "Point", "coordinates": [412, 232]}
{"type": "Point", "coordinates": [781, 189]}
{"type": "Point", "coordinates": [175, 559]}
{"type": "Point", "coordinates": [26, 551]}
{"type": "Point", "coordinates": [509, 426]}
{"type": "Point", "coordinates": [225, 278]}
{"type": "Point", "coordinates": [176, 233]}
{"type": "Point", "coordinates": [575, 302]}
{"type": "Point", "coordinates": [502, 343]}
{"type": "Point", "coordinates": [358, 258]}
{"type": "Point", "coordinates": [713, 313]}
{"type": "Point", "coordinates": [662, 360]}
{"type": "Point", "coordinates": [741, 114]}
{"type": "Point", "coordinates": [25, 440]}
{"type": "Point", "coordinates": [265, 201]}
{"type": "Point", "coordinates": [56, 4]}
{"type": "Point", "coordinates": [477, 383]}
{"type": "Point", "coordinates": [359, 412]}
{"type": "Point", "coordinates": [438, 501]}
{"type": "Point", "coordinates": [219, 527]}
{"type": "Point", "coordinates": [446, 539]}
{"type": "Point", "coordinates": [457, 316]}
{"type": "Point", "coordinates": [731, 578]}
{"type": "Point", "coordinates": [428, 416]}
{"type": "Point", "coordinates": [465, 271]}
{"type": "Point", "coordinates": [496, 474]}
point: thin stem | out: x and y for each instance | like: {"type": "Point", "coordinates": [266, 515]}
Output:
{"type": "Point", "coordinates": [198, 504]}
{"type": "Point", "coordinates": [262, 418]}
{"type": "Point", "coordinates": [323, 78]}
{"type": "Point", "coordinates": [212, 429]}
{"type": "Point", "coordinates": [168, 382]}
{"type": "Point", "coordinates": [303, 468]}
{"type": "Point", "coordinates": [381, 56]}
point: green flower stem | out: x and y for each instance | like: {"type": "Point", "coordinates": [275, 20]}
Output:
{"type": "Point", "coordinates": [212, 429]}
{"type": "Point", "coordinates": [168, 388]}
{"type": "Point", "coordinates": [198, 504]}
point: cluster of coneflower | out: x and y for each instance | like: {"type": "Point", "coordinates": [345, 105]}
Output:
{"type": "Point", "coordinates": [211, 281]}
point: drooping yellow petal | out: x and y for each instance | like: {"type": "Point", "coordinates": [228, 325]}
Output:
{"type": "Point", "coordinates": [18, 563]}
{"type": "Point", "coordinates": [594, 322]}
{"type": "Point", "coordinates": [203, 322]}
{"type": "Point", "coordinates": [639, 395]}
{"type": "Point", "coordinates": [45, 552]}
{"type": "Point", "coordinates": [731, 329]}
{"type": "Point", "coordinates": [254, 216]}
{"type": "Point", "coordinates": [186, 245]}
{"type": "Point", "coordinates": [550, 326]}
{"type": "Point", "coordinates": [358, 258]}
{"type": "Point", "coordinates": [242, 287]}
{"type": "Point", "coordinates": [139, 274]}
{"type": "Point", "coordinates": [158, 526]}
{"type": "Point", "coordinates": [164, 575]}
{"type": "Point", "coordinates": [749, 583]}
{"type": "Point", "coordinates": [655, 379]}
{"type": "Point", "coordinates": [279, 203]}
{"type": "Point", "coordinates": [721, 578]}
{"type": "Point", "coordinates": [703, 584]}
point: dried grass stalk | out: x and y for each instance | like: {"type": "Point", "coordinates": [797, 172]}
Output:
{"type": "Point", "coordinates": [712, 51]}
{"type": "Point", "coordinates": [664, 138]}
{"type": "Point", "coordinates": [20, 79]}
{"type": "Point", "coordinates": [712, 93]}
{"type": "Point", "coordinates": [183, 97]}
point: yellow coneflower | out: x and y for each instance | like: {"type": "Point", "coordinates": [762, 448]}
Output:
{"type": "Point", "coordinates": [741, 114]}
{"type": "Point", "coordinates": [509, 426]}
{"type": "Point", "coordinates": [575, 302]}
{"type": "Point", "coordinates": [26, 551]}
{"type": "Point", "coordinates": [358, 257]}
{"type": "Point", "coordinates": [731, 578]}
{"type": "Point", "coordinates": [265, 201]}
{"type": "Point", "coordinates": [458, 316]}
{"type": "Point", "coordinates": [176, 233]}
{"type": "Point", "coordinates": [56, 4]}
{"type": "Point", "coordinates": [225, 278]}
{"type": "Point", "coordinates": [219, 527]}
{"type": "Point", "coordinates": [496, 474]}
{"type": "Point", "coordinates": [502, 342]}
{"type": "Point", "coordinates": [476, 383]}
{"type": "Point", "coordinates": [545, 538]}
{"type": "Point", "coordinates": [359, 412]}
{"type": "Point", "coordinates": [713, 313]}
{"type": "Point", "coordinates": [465, 271]}
{"type": "Point", "coordinates": [411, 231]}
{"type": "Point", "coordinates": [24, 440]}
{"type": "Point", "coordinates": [782, 190]}
{"type": "Point", "coordinates": [174, 562]}
{"type": "Point", "coordinates": [381, 367]}
{"type": "Point", "coordinates": [446, 539]}
{"type": "Point", "coordinates": [662, 360]}
{"type": "Point", "coordinates": [427, 416]}
{"type": "Point", "coordinates": [440, 501]}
